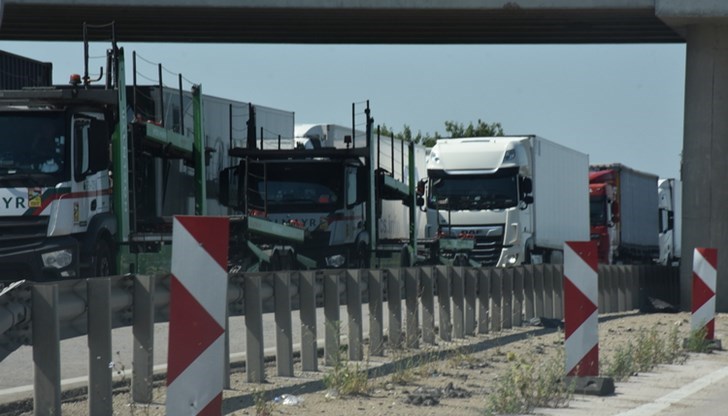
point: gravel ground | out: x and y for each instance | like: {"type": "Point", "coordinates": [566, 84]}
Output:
{"type": "Point", "coordinates": [454, 378]}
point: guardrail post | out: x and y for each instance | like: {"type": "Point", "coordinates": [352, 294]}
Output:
{"type": "Point", "coordinates": [548, 290]}
{"type": "Point", "coordinates": [507, 298]}
{"type": "Point", "coordinates": [307, 296]}
{"type": "Point", "coordinates": [254, 354]}
{"type": "Point", "coordinates": [394, 304]}
{"type": "Point", "coordinates": [518, 273]}
{"type": "Point", "coordinates": [376, 315]}
{"type": "Point", "coordinates": [558, 291]}
{"type": "Point", "coordinates": [471, 290]}
{"type": "Point", "coordinates": [46, 351]}
{"type": "Point", "coordinates": [613, 289]}
{"type": "Point", "coordinates": [622, 287]}
{"type": "Point", "coordinates": [428, 305]}
{"type": "Point", "coordinates": [142, 386]}
{"type": "Point", "coordinates": [331, 318]}
{"type": "Point", "coordinates": [443, 300]}
{"type": "Point", "coordinates": [538, 289]}
{"type": "Point", "coordinates": [484, 295]}
{"type": "Point", "coordinates": [284, 327]}
{"type": "Point", "coordinates": [411, 290]}
{"type": "Point", "coordinates": [496, 299]}
{"type": "Point", "coordinates": [353, 311]}
{"type": "Point", "coordinates": [528, 291]}
{"type": "Point", "coordinates": [100, 398]}
{"type": "Point", "coordinates": [457, 279]}
{"type": "Point", "coordinates": [601, 283]}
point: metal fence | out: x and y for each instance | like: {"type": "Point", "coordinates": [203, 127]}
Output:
{"type": "Point", "coordinates": [468, 300]}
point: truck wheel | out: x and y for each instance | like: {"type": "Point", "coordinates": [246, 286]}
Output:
{"type": "Point", "coordinates": [103, 262]}
{"type": "Point", "coordinates": [361, 257]}
{"type": "Point", "coordinates": [404, 258]}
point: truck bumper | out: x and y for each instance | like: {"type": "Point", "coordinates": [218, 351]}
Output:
{"type": "Point", "coordinates": [26, 262]}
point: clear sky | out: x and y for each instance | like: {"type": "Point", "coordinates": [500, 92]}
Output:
{"type": "Point", "coordinates": [618, 103]}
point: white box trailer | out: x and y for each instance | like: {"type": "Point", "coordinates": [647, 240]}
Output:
{"type": "Point", "coordinates": [560, 193]}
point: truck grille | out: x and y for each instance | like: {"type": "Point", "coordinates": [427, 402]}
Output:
{"type": "Point", "coordinates": [18, 231]}
{"type": "Point", "coordinates": [487, 250]}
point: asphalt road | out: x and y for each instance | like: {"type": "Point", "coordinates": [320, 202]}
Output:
{"type": "Point", "coordinates": [698, 387]}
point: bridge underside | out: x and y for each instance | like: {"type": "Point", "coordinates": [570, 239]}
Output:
{"type": "Point", "coordinates": [338, 25]}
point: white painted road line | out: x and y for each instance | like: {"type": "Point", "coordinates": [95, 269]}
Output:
{"type": "Point", "coordinates": [662, 403]}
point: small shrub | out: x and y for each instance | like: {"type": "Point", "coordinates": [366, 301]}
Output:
{"type": "Point", "coordinates": [621, 366]}
{"type": "Point", "coordinates": [263, 407]}
{"type": "Point", "coordinates": [347, 380]}
{"type": "Point", "coordinates": [526, 386]}
{"type": "Point", "coordinates": [697, 341]}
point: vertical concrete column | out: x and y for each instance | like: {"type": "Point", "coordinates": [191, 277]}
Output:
{"type": "Point", "coordinates": [705, 158]}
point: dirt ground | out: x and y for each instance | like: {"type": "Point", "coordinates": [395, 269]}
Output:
{"type": "Point", "coordinates": [460, 376]}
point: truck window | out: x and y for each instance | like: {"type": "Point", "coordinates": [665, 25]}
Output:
{"type": "Point", "coordinates": [34, 143]}
{"type": "Point", "coordinates": [471, 192]}
{"type": "Point", "coordinates": [598, 210]}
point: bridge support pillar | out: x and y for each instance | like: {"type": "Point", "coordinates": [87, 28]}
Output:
{"type": "Point", "coordinates": [705, 154]}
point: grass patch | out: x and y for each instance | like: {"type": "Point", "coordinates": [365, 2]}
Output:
{"type": "Point", "coordinates": [347, 380]}
{"type": "Point", "coordinates": [343, 378]}
{"type": "Point", "coordinates": [697, 341]}
{"type": "Point", "coordinates": [526, 386]}
{"type": "Point", "coordinates": [645, 353]}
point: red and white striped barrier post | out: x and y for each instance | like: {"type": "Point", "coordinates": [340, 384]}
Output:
{"type": "Point", "coordinates": [705, 265]}
{"type": "Point", "coordinates": [581, 319]}
{"type": "Point", "coordinates": [198, 296]}
{"type": "Point", "coordinates": [580, 308]}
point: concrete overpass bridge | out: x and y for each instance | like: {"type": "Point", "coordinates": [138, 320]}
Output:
{"type": "Point", "coordinates": [701, 24]}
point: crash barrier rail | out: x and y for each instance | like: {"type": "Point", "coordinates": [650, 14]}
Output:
{"type": "Point", "coordinates": [470, 301]}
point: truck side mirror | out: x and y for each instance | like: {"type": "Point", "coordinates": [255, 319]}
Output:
{"type": "Point", "coordinates": [526, 186]}
{"type": "Point", "coordinates": [421, 188]}
{"type": "Point", "coordinates": [228, 188]}
{"type": "Point", "coordinates": [525, 202]}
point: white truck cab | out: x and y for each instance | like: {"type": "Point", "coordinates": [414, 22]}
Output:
{"type": "Point", "coordinates": [501, 201]}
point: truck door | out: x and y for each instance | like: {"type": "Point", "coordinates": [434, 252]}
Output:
{"type": "Point", "coordinates": [91, 174]}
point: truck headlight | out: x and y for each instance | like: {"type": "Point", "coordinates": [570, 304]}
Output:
{"type": "Point", "coordinates": [511, 260]}
{"type": "Point", "coordinates": [57, 259]}
{"type": "Point", "coordinates": [337, 260]}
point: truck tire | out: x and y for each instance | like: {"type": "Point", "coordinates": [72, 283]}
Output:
{"type": "Point", "coordinates": [360, 258]}
{"type": "Point", "coordinates": [404, 258]}
{"type": "Point", "coordinates": [103, 260]}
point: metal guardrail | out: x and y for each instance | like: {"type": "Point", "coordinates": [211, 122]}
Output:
{"type": "Point", "coordinates": [470, 300]}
